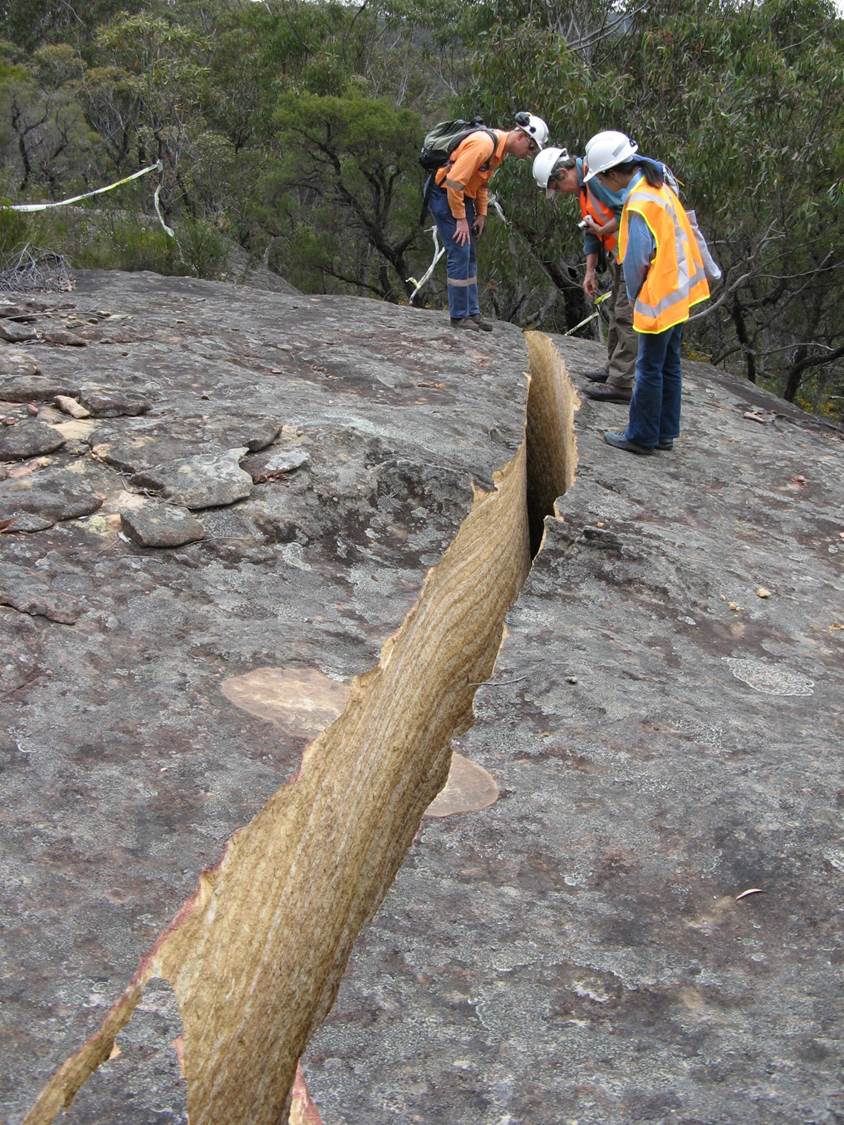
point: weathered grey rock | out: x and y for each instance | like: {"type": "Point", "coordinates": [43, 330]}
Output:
{"type": "Point", "coordinates": [15, 367]}
{"type": "Point", "coordinates": [64, 338]}
{"type": "Point", "coordinates": [112, 402]}
{"type": "Point", "coordinates": [23, 309]}
{"type": "Point", "coordinates": [581, 950]}
{"type": "Point", "coordinates": [254, 435]}
{"type": "Point", "coordinates": [161, 525]}
{"type": "Point", "coordinates": [574, 951]}
{"type": "Point", "coordinates": [55, 494]}
{"type": "Point", "coordinates": [28, 522]}
{"type": "Point", "coordinates": [28, 594]}
{"type": "Point", "coordinates": [276, 464]}
{"type": "Point", "coordinates": [28, 439]}
{"type": "Point", "coordinates": [16, 333]}
{"type": "Point", "coordinates": [206, 481]}
{"type": "Point", "coordinates": [33, 388]}
{"type": "Point", "coordinates": [70, 406]}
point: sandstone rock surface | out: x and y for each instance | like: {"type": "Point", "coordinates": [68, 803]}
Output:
{"type": "Point", "coordinates": [126, 766]}
{"type": "Point", "coordinates": [660, 739]}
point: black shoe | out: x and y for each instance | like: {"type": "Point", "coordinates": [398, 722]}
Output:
{"type": "Point", "coordinates": [599, 376]}
{"type": "Point", "coordinates": [666, 446]}
{"type": "Point", "coordinates": [619, 441]}
{"type": "Point", "coordinates": [484, 325]}
{"type": "Point", "coordinates": [465, 322]}
{"type": "Point", "coordinates": [607, 392]}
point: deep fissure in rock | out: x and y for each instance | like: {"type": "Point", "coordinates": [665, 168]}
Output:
{"type": "Point", "coordinates": [255, 957]}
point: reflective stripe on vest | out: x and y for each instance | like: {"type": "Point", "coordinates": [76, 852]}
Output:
{"type": "Point", "coordinates": [601, 213]}
{"type": "Point", "coordinates": [676, 280]}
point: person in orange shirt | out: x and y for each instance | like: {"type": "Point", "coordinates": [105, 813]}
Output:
{"type": "Point", "coordinates": [458, 202]}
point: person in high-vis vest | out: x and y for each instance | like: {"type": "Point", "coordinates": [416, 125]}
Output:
{"type": "Point", "coordinates": [458, 203]}
{"type": "Point", "coordinates": [558, 173]}
{"type": "Point", "coordinates": [665, 278]}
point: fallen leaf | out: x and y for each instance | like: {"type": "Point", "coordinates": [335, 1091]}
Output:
{"type": "Point", "coordinates": [750, 891]}
{"type": "Point", "coordinates": [761, 592]}
{"type": "Point", "coordinates": [754, 417]}
{"type": "Point", "coordinates": [5, 524]}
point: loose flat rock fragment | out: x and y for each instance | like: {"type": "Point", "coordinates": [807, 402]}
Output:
{"type": "Point", "coordinates": [22, 309]}
{"type": "Point", "coordinates": [14, 365]}
{"type": "Point", "coordinates": [64, 338]}
{"type": "Point", "coordinates": [208, 481]}
{"type": "Point", "coordinates": [69, 405]}
{"type": "Point", "coordinates": [28, 522]}
{"type": "Point", "coordinates": [254, 435]}
{"type": "Point", "coordinates": [16, 333]}
{"type": "Point", "coordinates": [55, 494]}
{"type": "Point", "coordinates": [112, 402]}
{"type": "Point", "coordinates": [272, 466]}
{"type": "Point", "coordinates": [161, 525]}
{"type": "Point", "coordinates": [28, 439]}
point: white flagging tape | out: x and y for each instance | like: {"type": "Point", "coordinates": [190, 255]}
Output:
{"type": "Point", "coordinates": [438, 253]}
{"type": "Point", "coordinates": [157, 167]}
{"type": "Point", "coordinates": [157, 205]}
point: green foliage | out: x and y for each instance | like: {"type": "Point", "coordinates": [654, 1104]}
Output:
{"type": "Point", "coordinates": [13, 230]}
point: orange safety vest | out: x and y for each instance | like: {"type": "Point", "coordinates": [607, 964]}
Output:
{"type": "Point", "coordinates": [601, 213]}
{"type": "Point", "coordinates": [675, 281]}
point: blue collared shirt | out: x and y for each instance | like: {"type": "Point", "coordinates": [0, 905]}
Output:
{"type": "Point", "coordinates": [641, 246]}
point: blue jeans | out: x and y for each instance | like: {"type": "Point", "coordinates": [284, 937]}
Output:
{"type": "Point", "coordinates": [461, 263]}
{"type": "Point", "coordinates": [655, 406]}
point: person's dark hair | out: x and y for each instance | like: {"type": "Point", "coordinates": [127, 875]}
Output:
{"type": "Point", "coordinates": [653, 173]}
{"type": "Point", "coordinates": [564, 161]}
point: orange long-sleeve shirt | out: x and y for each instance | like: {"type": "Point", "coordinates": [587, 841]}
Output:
{"type": "Point", "coordinates": [469, 171]}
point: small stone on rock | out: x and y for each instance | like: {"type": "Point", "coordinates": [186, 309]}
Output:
{"type": "Point", "coordinates": [28, 439]}
{"type": "Point", "coordinates": [161, 525]}
{"type": "Point", "coordinates": [64, 338]}
{"type": "Point", "coordinates": [111, 402]}
{"type": "Point", "coordinates": [70, 406]}
{"type": "Point", "coordinates": [16, 333]}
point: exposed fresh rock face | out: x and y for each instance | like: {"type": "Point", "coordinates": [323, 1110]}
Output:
{"type": "Point", "coordinates": [570, 936]}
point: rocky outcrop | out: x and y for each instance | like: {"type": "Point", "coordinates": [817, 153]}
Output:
{"type": "Point", "coordinates": [621, 905]}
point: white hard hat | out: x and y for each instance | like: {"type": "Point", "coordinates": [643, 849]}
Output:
{"type": "Point", "coordinates": [607, 149]}
{"type": "Point", "coordinates": [545, 164]}
{"type": "Point", "coordinates": [534, 126]}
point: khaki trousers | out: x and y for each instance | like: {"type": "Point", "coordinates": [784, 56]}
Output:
{"type": "Point", "coordinates": [622, 341]}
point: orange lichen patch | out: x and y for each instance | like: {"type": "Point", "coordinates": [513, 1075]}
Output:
{"type": "Point", "coordinates": [304, 700]}
{"type": "Point", "coordinates": [469, 788]}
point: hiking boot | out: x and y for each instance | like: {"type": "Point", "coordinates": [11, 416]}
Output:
{"type": "Point", "coordinates": [607, 392]}
{"type": "Point", "coordinates": [620, 441]}
{"type": "Point", "coordinates": [465, 322]}
{"type": "Point", "coordinates": [484, 325]}
{"type": "Point", "coordinates": [598, 376]}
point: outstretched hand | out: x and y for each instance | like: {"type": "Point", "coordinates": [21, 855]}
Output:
{"type": "Point", "coordinates": [461, 233]}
